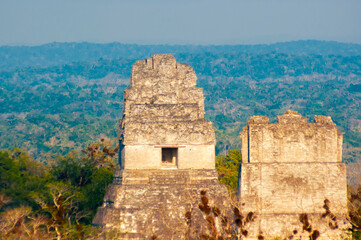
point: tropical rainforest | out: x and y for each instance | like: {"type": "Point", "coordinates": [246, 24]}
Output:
{"type": "Point", "coordinates": [60, 106]}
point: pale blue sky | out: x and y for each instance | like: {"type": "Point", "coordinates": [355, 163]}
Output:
{"type": "Point", "coordinates": [33, 22]}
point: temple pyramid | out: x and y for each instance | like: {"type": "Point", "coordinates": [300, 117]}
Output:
{"type": "Point", "coordinates": [167, 155]}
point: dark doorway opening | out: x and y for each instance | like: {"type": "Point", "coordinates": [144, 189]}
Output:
{"type": "Point", "coordinates": [169, 156]}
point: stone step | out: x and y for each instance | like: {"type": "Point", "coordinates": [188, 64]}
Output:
{"type": "Point", "coordinates": [170, 177]}
{"type": "Point", "coordinates": [165, 177]}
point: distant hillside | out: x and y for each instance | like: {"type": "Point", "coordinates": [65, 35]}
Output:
{"type": "Point", "coordinates": [65, 53]}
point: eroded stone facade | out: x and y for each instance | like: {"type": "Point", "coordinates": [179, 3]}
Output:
{"type": "Point", "coordinates": [292, 170]}
{"type": "Point", "coordinates": [167, 156]}
{"type": "Point", "coordinates": [163, 108]}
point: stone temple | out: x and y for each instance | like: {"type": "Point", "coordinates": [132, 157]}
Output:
{"type": "Point", "coordinates": [167, 154]}
{"type": "Point", "coordinates": [292, 177]}
{"type": "Point", "coordinates": [292, 182]}
{"type": "Point", "coordinates": [163, 123]}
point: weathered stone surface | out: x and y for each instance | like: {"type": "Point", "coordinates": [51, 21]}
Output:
{"type": "Point", "coordinates": [146, 202]}
{"type": "Point", "coordinates": [291, 168]}
{"type": "Point", "coordinates": [164, 107]}
{"type": "Point", "coordinates": [167, 156]}
{"type": "Point", "coordinates": [189, 156]}
{"type": "Point", "coordinates": [291, 139]}
{"type": "Point", "coordinates": [164, 91]}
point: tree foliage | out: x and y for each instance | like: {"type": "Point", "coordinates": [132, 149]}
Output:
{"type": "Point", "coordinates": [354, 207]}
{"type": "Point", "coordinates": [228, 169]}
{"type": "Point", "coordinates": [57, 200]}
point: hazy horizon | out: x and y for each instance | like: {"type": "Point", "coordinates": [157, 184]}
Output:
{"type": "Point", "coordinates": [170, 44]}
{"type": "Point", "coordinates": [186, 22]}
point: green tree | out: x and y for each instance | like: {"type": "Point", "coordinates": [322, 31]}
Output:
{"type": "Point", "coordinates": [88, 172]}
{"type": "Point", "coordinates": [228, 167]}
{"type": "Point", "coordinates": [21, 177]}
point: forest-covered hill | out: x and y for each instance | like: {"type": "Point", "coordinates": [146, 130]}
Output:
{"type": "Point", "coordinates": [61, 96]}
{"type": "Point", "coordinates": [63, 53]}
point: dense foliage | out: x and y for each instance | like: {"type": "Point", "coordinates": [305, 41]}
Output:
{"type": "Point", "coordinates": [228, 169]}
{"type": "Point", "coordinates": [54, 200]}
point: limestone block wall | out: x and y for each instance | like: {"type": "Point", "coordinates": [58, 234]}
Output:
{"type": "Point", "coordinates": [144, 203]}
{"type": "Point", "coordinates": [163, 108]}
{"type": "Point", "coordinates": [291, 139]}
{"type": "Point", "coordinates": [150, 156]}
{"type": "Point", "coordinates": [290, 168]}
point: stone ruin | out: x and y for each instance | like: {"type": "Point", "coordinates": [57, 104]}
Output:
{"type": "Point", "coordinates": [167, 155]}
{"type": "Point", "coordinates": [292, 182]}
{"type": "Point", "coordinates": [163, 123]}
{"type": "Point", "coordinates": [292, 177]}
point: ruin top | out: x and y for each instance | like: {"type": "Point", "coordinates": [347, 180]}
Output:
{"type": "Point", "coordinates": [163, 105]}
{"type": "Point", "coordinates": [161, 68]}
{"type": "Point", "coordinates": [293, 117]}
{"type": "Point", "coordinates": [291, 139]}
{"type": "Point", "coordinates": [161, 83]}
